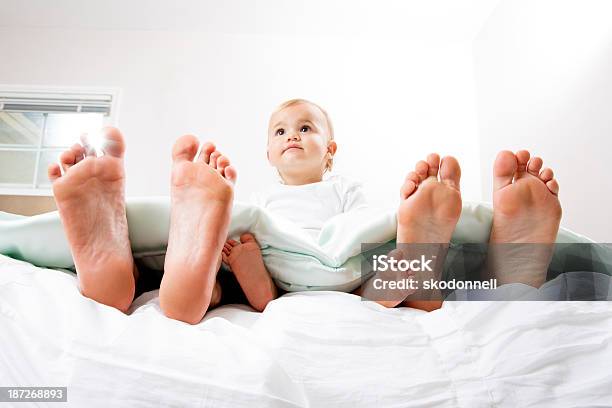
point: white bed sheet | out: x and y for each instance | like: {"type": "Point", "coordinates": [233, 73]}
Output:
{"type": "Point", "coordinates": [305, 349]}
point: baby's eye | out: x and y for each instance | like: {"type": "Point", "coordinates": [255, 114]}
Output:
{"type": "Point", "coordinates": [280, 132]}
{"type": "Point", "coordinates": [305, 129]}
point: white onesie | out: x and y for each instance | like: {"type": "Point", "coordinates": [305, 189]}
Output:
{"type": "Point", "coordinates": [311, 205]}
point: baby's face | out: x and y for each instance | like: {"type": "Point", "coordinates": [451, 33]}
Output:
{"type": "Point", "coordinates": [298, 141]}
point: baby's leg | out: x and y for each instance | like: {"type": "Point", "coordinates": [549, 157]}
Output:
{"type": "Point", "coordinates": [201, 196]}
{"type": "Point", "coordinates": [91, 204]}
{"type": "Point", "coordinates": [245, 260]}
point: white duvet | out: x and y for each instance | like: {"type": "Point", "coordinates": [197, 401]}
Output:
{"type": "Point", "coordinates": [306, 349]}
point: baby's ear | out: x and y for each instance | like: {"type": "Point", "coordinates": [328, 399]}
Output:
{"type": "Point", "coordinates": [332, 147]}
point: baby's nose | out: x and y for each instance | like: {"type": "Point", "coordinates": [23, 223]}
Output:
{"type": "Point", "coordinates": [293, 136]}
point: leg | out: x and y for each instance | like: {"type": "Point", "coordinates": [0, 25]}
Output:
{"type": "Point", "coordinates": [526, 218]}
{"type": "Point", "coordinates": [429, 210]}
{"type": "Point", "coordinates": [201, 198]}
{"type": "Point", "coordinates": [91, 204]}
{"type": "Point", "coordinates": [246, 262]}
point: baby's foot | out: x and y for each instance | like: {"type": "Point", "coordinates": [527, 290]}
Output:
{"type": "Point", "coordinates": [430, 202]}
{"type": "Point", "coordinates": [91, 204]}
{"type": "Point", "coordinates": [526, 217]}
{"type": "Point", "coordinates": [202, 192]}
{"type": "Point", "coordinates": [245, 260]}
{"type": "Point", "coordinates": [526, 208]}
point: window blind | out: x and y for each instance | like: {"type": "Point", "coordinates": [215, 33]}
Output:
{"type": "Point", "coordinates": [57, 103]}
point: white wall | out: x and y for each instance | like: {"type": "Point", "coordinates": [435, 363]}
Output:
{"type": "Point", "coordinates": [543, 74]}
{"type": "Point", "coordinates": [399, 78]}
{"type": "Point", "coordinates": [392, 100]}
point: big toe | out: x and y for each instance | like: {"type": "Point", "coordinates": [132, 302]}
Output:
{"type": "Point", "coordinates": [504, 169]}
{"type": "Point", "coordinates": [185, 148]}
{"type": "Point", "coordinates": [114, 142]}
{"type": "Point", "coordinates": [450, 171]}
{"type": "Point", "coordinates": [108, 139]}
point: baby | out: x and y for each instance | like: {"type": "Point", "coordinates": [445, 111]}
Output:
{"type": "Point", "coordinates": [89, 193]}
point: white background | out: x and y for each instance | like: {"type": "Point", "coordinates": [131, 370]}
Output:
{"type": "Point", "coordinates": [399, 79]}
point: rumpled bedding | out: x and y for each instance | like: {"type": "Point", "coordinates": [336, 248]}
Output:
{"type": "Point", "coordinates": [307, 349]}
{"type": "Point", "coordinates": [295, 260]}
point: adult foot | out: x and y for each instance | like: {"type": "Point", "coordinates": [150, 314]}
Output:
{"type": "Point", "coordinates": [245, 260]}
{"type": "Point", "coordinates": [430, 202]}
{"type": "Point", "coordinates": [428, 213]}
{"type": "Point", "coordinates": [526, 208]}
{"type": "Point", "coordinates": [526, 217]}
{"type": "Point", "coordinates": [89, 193]}
{"type": "Point", "coordinates": [202, 192]}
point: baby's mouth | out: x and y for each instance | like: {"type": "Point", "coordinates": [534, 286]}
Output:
{"type": "Point", "coordinates": [292, 148]}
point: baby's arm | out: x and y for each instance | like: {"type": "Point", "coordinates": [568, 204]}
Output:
{"type": "Point", "coordinates": [245, 260]}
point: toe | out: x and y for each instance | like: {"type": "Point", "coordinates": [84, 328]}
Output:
{"type": "Point", "coordinates": [230, 174]}
{"type": "Point", "coordinates": [114, 142]}
{"type": "Point", "coordinates": [207, 149]}
{"type": "Point", "coordinates": [67, 159]}
{"type": "Point", "coordinates": [450, 171]}
{"type": "Point", "coordinates": [546, 175]}
{"type": "Point", "coordinates": [87, 146]}
{"type": "Point", "coordinates": [433, 160]}
{"type": "Point", "coordinates": [410, 185]}
{"type": "Point", "coordinates": [233, 242]}
{"type": "Point", "coordinates": [54, 172]}
{"type": "Point", "coordinates": [534, 166]}
{"type": "Point", "coordinates": [522, 158]}
{"type": "Point", "coordinates": [504, 168]}
{"type": "Point", "coordinates": [222, 163]}
{"type": "Point", "coordinates": [247, 237]}
{"type": "Point", "coordinates": [79, 152]}
{"type": "Point", "coordinates": [422, 169]}
{"type": "Point", "coordinates": [214, 156]}
{"type": "Point", "coordinates": [185, 148]}
{"type": "Point", "coordinates": [553, 186]}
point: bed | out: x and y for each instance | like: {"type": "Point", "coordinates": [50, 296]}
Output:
{"type": "Point", "coordinates": [306, 349]}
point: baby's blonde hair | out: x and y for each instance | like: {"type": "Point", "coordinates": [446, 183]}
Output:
{"type": "Point", "coordinates": [330, 128]}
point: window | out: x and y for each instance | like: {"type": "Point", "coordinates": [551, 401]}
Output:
{"type": "Point", "coordinates": [35, 127]}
